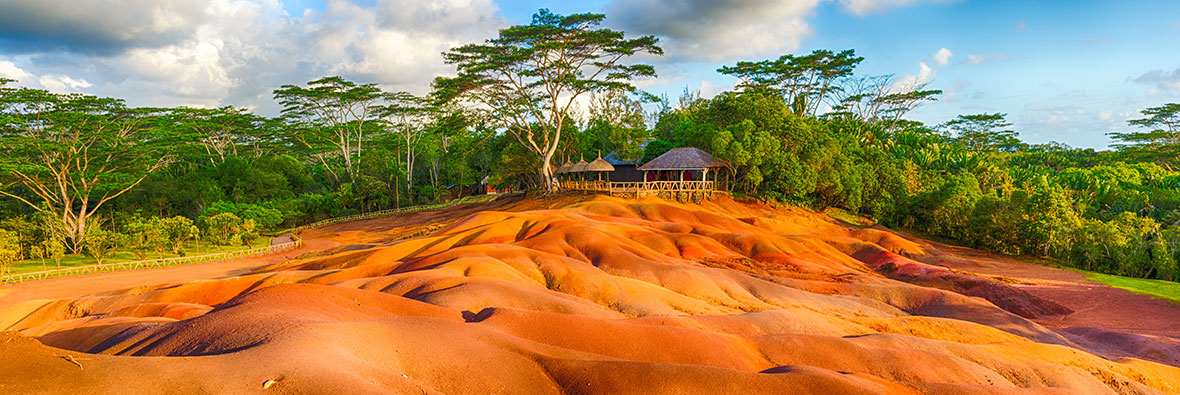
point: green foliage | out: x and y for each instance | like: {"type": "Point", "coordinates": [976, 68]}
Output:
{"type": "Point", "coordinates": [53, 248]}
{"type": "Point", "coordinates": [530, 75]}
{"type": "Point", "coordinates": [144, 235]}
{"type": "Point", "coordinates": [229, 229]}
{"type": "Point", "coordinates": [654, 149]}
{"type": "Point", "coordinates": [1160, 144]}
{"type": "Point", "coordinates": [10, 250]}
{"type": "Point", "coordinates": [101, 243]}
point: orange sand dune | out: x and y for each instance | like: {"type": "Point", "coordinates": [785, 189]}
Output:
{"type": "Point", "coordinates": [580, 295]}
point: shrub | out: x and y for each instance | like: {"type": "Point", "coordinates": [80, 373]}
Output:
{"type": "Point", "coordinates": [10, 250]}
{"type": "Point", "coordinates": [179, 230]}
{"type": "Point", "coordinates": [221, 227]}
{"type": "Point", "coordinates": [100, 244]}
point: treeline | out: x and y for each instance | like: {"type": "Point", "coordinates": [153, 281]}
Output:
{"type": "Point", "coordinates": [803, 129]}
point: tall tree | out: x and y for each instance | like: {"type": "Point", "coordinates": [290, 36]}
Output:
{"type": "Point", "coordinates": [407, 117]}
{"type": "Point", "coordinates": [984, 132]}
{"type": "Point", "coordinates": [530, 76]}
{"type": "Point", "coordinates": [1161, 143]}
{"type": "Point", "coordinates": [70, 154]}
{"type": "Point", "coordinates": [331, 113]}
{"type": "Point", "coordinates": [220, 131]}
{"type": "Point", "coordinates": [879, 99]}
{"type": "Point", "coordinates": [804, 81]}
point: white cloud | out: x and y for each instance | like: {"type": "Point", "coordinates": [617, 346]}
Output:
{"type": "Point", "coordinates": [10, 70]}
{"type": "Point", "coordinates": [982, 58]}
{"type": "Point", "coordinates": [62, 83]}
{"type": "Point", "coordinates": [225, 52]}
{"type": "Point", "coordinates": [942, 57]}
{"type": "Point", "coordinates": [913, 81]}
{"type": "Point", "coordinates": [866, 7]}
{"type": "Point", "coordinates": [722, 30]}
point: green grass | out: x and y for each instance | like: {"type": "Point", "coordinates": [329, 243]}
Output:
{"type": "Point", "coordinates": [72, 260]}
{"type": "Point", "coordinates": [1159, 289]}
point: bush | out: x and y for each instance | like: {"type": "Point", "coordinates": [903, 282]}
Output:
{"type": "Point", "coordinates": [264, 216]}
{"type": "Point", "coordinates": [228, 229]}
{"type": "Point", "coordinates": [178, 231]}
{"type": "Point", "coordinates": [10, 250]}
{"type": "Point", "coordinates": [100, 244]}
{"type": "Point", "coordinates": [145, 234]}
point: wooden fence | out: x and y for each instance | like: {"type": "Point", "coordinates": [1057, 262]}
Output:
{"type": "Point", "coordinates": [152, 263]}
{"type": "Point", "coordinates": [225, 256]}
{"type": "Point", "coordinates": [682, 191]}
{"type": "Point", "coordinates": [371, 214]}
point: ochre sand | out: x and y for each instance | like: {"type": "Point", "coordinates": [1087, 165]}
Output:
{"type": "Point", "coordinates": [583, 294]}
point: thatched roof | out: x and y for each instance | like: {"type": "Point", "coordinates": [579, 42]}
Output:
{"type": "Point", "coordinates": [565, 168]}
{"type": "Point", "coordinates": [579, 167]}
{"type": "Point", "coordinates": [683, 158]}
{"type": "Point", "coordinates": [599, 165]}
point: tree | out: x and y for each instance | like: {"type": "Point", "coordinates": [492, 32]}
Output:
{"type": "Point", "coordinates": [530, 76]}
{"type": "Point", "coordinates": [616, 124]}
{"type": "Point", "coordinates": [178, 231]}
{"type": "Point", "coordinates": [407, 116]}
{"type": "Point", "coordinates": [101, 243]}
{"type": "Point", "coordinates": [220, 131]}
{"type": "Point", "coordinates": [10, 250]}
{"type": "Point", "coordinates": [331, 113]}
{"type": "Point", "coordinates": [805, 81]}
{"type": "Point", "coordinates": [984, 132]}
{"type": "Point", "coordinates": [70, 154]}
{"type": "Point", "coordinates": [54, 249]}
{"type": "Point", "coordinates": [878, 100]}
{"type": "Point", "coordinates": [1161, 143]}
{"type": "Point", "coordinates": [229, 229]}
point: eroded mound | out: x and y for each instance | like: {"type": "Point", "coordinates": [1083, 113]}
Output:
{"type": "Point", "coordinates": [595, 295]}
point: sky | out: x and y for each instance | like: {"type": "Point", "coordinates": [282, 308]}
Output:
{"type": "Point", "coordinates": [1064, 71]}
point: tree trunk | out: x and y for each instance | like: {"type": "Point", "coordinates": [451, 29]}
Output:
{"type": "Point", "coordinates": [547, 174]}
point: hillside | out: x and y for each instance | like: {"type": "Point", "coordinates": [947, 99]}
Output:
{"type": "Point", "coordinates": [579, 294]}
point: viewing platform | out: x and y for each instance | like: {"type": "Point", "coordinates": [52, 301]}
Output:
{"type": "Point", "coordinates": [682, 191]}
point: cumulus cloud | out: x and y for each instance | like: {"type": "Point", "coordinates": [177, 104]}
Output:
{"type": "Point", "coordinates": [943, 56]}
{"type": "Point", "coordinates": [95, 26]}
{"type": "Point", "coordinates": [717, 30]}
{"type": "Point", "coordinates": [237, 51]}
{"type": "Point", "coordinates": [1161, 80]}
{"type": "Point", "coordinates": [11, 71]}
{"type": "Point", "coordinates": [914, 81]}
{"type": "Point", "coordinates": [63, 83]}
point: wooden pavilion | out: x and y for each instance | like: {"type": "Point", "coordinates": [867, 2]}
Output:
{"type": "Point", "coordinates": [680, 173]}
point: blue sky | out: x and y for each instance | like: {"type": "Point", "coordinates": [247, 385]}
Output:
{"type": "Point", "coordinates": [1062, 71]}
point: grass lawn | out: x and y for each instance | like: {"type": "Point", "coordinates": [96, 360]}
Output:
{"type": "Point", "coordinates": [1159, 289]}
{"type": "Point", "coordinates": [71, 260]}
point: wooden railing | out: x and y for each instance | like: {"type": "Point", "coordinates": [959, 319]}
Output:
{"type": "Point", "coordinates": [225, 256]}
{"type": "Point", "coordinates": [152, 263]}
{"type": "Point", "coordinates": [679, 190]}
{"type": "Point", "coordinates": [371, 214]}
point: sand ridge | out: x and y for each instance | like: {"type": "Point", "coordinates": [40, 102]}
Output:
{"type": "Point", "coordinates": [576, 294]}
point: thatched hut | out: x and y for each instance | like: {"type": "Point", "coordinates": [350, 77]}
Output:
{"type": "Point", "coordinates": [680, 164]}
{"type": "Point", "coordinates": [564, 168]}
{"type": "Point", "coordinates": [600, 166]}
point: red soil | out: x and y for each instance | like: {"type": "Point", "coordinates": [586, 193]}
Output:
{"type": "Point", "coordinates": [580, 295]}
